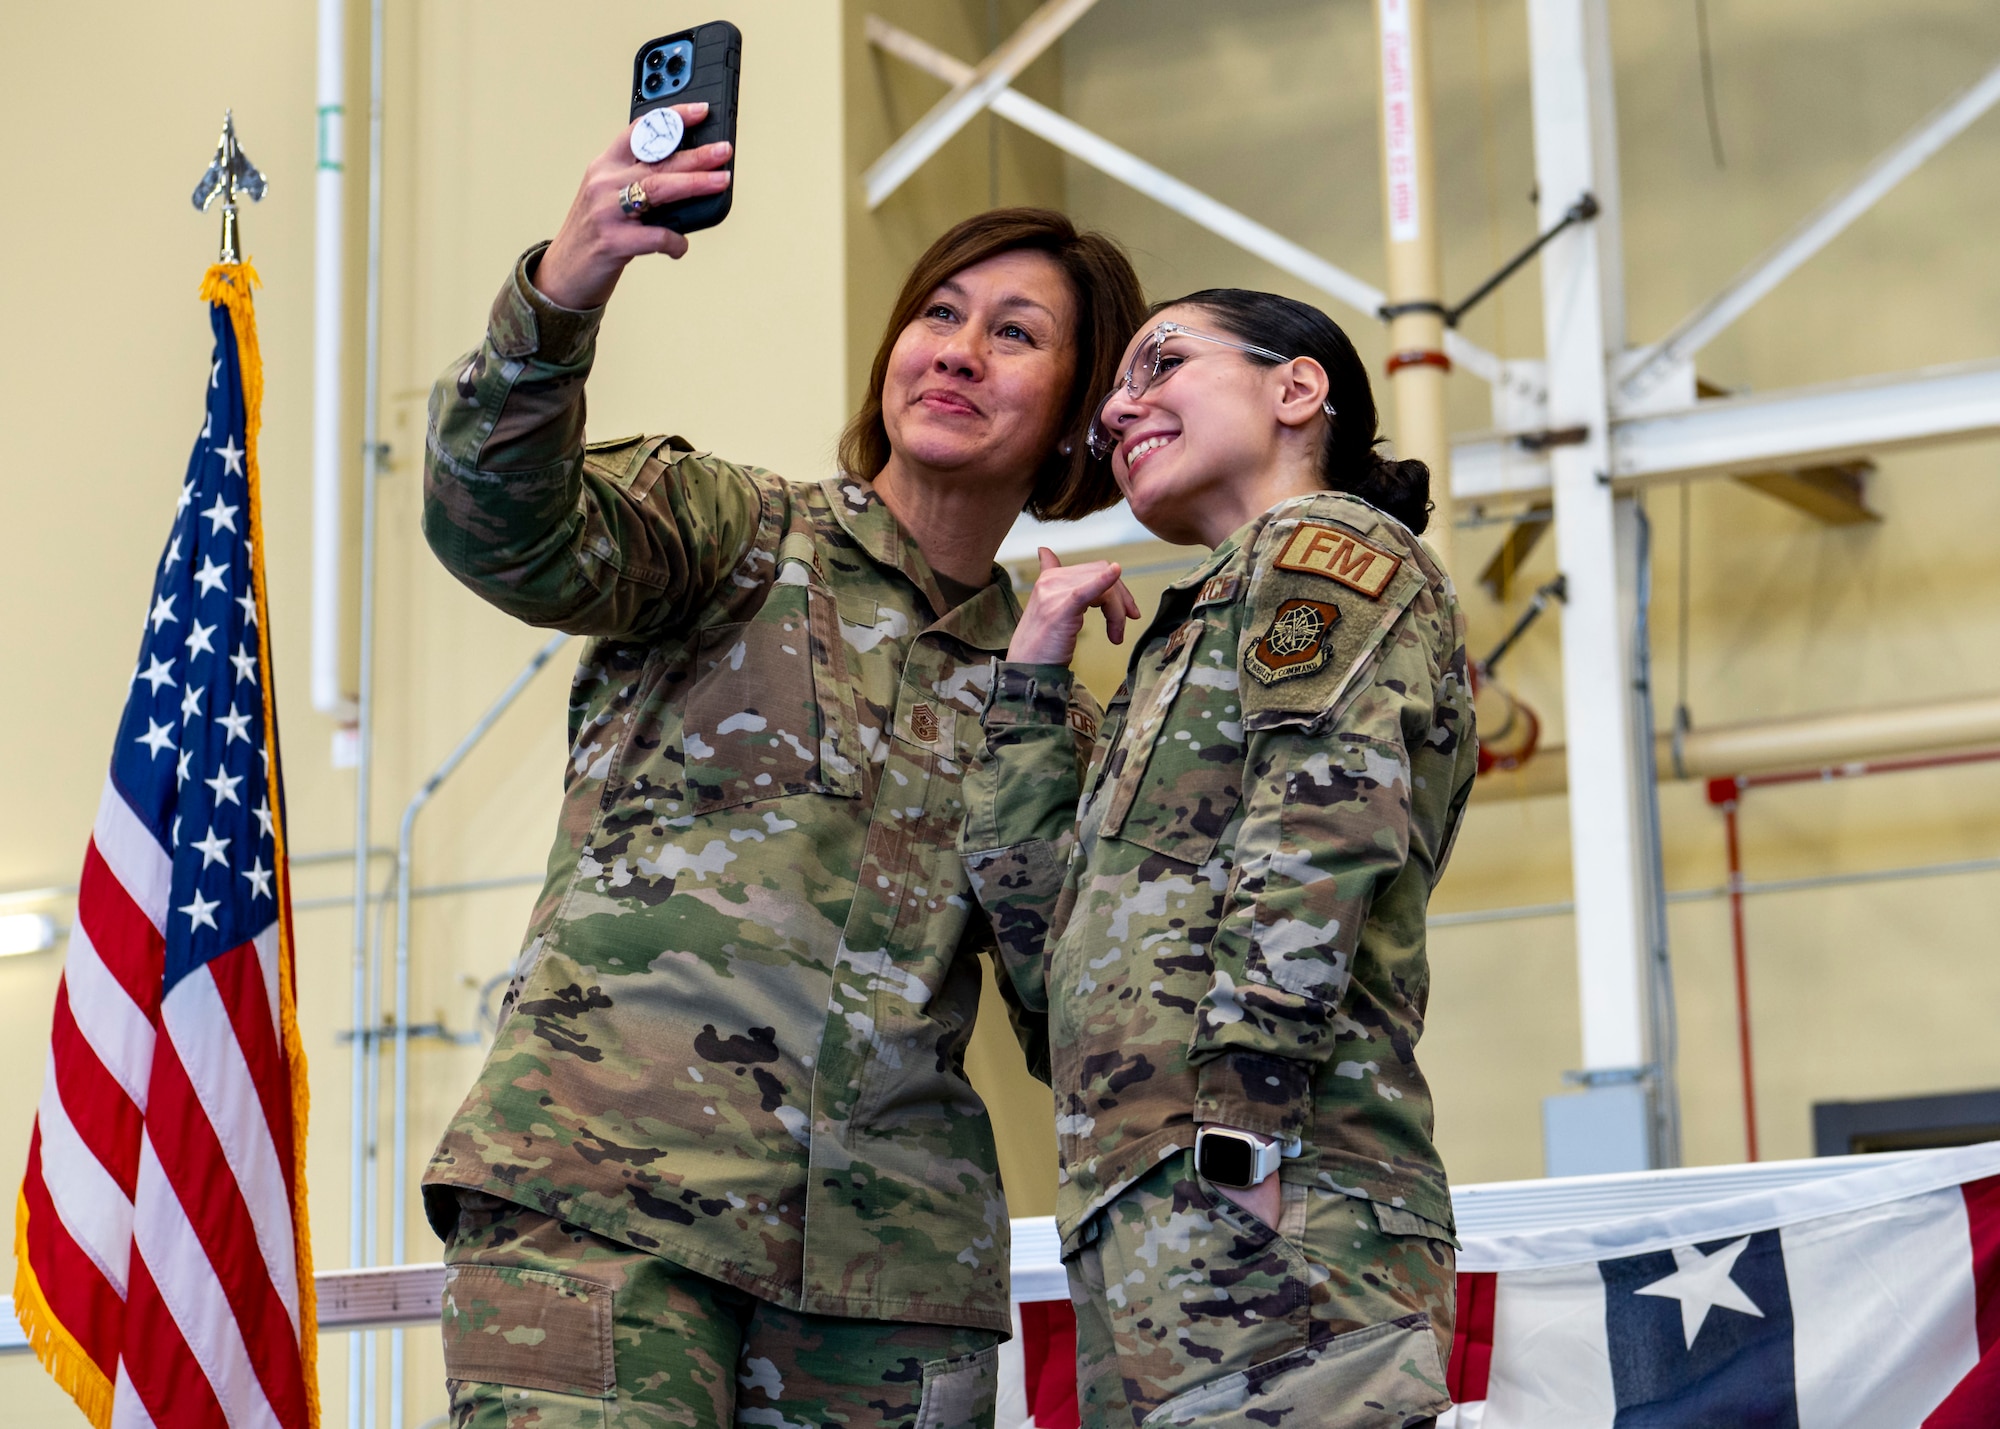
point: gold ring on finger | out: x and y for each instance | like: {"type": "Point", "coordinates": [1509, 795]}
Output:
{"type": "Point", "coordinates": [632, 198]}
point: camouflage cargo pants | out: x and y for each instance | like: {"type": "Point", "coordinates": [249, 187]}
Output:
{"type": "Point", "coordinates": [1192, 1312]}
{"type": "Point", "coordinates": [547, 1326]}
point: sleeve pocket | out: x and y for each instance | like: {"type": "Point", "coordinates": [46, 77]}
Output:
{"type": "Point", "coordinates": [1180, 780]}
{"type": "Point", "coordinates": [770, 713]}
{"type": "Point", "coordinates": [532, 1329]}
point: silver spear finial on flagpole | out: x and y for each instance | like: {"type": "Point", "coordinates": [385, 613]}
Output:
{"type": "Point", "coordinates": [229, 174]}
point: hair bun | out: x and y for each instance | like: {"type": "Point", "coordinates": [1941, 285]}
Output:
{"type": "Point", "coordinates": [1400, 488]}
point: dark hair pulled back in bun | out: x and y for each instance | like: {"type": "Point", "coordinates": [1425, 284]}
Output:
{"type": "Point", "coordinates": [1350, 460]}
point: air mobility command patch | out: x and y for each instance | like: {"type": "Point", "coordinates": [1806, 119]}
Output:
{"type": "Point", "coordinates": [1296, 643]}
{"type": "Point", "coordinates": [1339, 555]}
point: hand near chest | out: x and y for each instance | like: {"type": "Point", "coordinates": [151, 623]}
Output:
{"type": "Point", "coordinates": [1060, 603]}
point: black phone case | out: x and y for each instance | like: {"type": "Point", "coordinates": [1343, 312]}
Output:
{"type": "Point", "coordinates": [718, 60]}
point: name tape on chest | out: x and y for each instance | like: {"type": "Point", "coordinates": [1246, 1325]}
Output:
{"type": "Point", "coordinates": [1339, 556]}
{"type": "Point", "coordinates": [1296, 642]}
{"type": "Point", "coordinates": [1083, 721]}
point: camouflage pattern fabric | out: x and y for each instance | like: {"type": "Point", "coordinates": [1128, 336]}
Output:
{"type": "Point", "coordinates": [1233, 919]}
{"type": "Point", "coordinates": [547, 1326]}
{"type": "Point", "coordinates": [1191, 1311]}
{"type": "Point", "coordinates": [736, 1033]}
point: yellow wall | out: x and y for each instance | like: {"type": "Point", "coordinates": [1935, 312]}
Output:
{"type": "Point", "coordinates": [1878, 990]}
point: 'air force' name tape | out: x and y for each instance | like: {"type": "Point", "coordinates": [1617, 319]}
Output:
{"type": "Point", "coordinates": [1341, 556]}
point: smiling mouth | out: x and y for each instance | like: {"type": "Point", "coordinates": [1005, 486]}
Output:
{"type": "Point", "coordinates": [949, 402]}
{"type": "Point", "coordinates": [1141, 450]}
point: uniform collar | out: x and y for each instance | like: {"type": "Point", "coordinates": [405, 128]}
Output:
{"type": "Point", "coordinates": [986, 621]}
{"type": "Point", "coordinates": [1214, 561]}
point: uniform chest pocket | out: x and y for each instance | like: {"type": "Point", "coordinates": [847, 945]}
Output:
{"type": "Point", "coordinates": [1104, 759]}
{"type": "Point", "coordinates": [1176, 778]}
{"type": "Point", "coordinates": [771, 712]}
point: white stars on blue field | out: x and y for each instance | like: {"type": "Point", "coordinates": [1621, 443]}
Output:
{"type": "Point", "coordinates": [196, 694]}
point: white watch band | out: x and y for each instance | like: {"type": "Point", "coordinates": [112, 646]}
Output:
{"type": "Point", "coordinates": [1266, 1154]}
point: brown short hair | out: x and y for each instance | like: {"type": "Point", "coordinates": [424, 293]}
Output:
{"type": "Point", "coordinates": [1109, 308]}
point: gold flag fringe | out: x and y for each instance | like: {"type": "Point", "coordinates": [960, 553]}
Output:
{"type": "Point", "coordinates": [73, 1370]}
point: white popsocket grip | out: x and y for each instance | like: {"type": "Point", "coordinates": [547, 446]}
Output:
{"type": "Point", "coordinates": [656, 135]}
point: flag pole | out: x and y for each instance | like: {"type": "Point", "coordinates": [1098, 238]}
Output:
{"type": "Point", "coordinates": [230, 175]}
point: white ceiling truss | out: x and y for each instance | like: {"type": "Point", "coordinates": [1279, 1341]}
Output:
{"type": "Point", "coordinates": [1658, 430]}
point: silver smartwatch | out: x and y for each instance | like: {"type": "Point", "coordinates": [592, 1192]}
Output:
{"type": "Point", "coordinates": [1236, 1159]}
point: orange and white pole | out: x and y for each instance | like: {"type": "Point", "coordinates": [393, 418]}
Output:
{"type": "Point", "coordinates": [1417, 364]}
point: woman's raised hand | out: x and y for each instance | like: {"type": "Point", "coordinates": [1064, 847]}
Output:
{"type": "Point", "coordinates": [1062, 597]}
{"type": "Point", "coordinates": [599, 238]}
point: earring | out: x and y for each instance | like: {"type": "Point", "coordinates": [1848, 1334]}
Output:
{"type": "Point", "coordinates": [1067, 448]}
{"type": "Point", "coordinates": [1327, 407]}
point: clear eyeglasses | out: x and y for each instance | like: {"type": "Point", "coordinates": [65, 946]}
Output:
{"type": "Point", "coordinates": [1152, 364]}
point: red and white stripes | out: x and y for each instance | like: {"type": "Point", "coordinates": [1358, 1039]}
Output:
{"type": "Point", "coordinates": [158, 1225]}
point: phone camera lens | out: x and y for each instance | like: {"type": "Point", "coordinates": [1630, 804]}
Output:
{"type": "Point", "coordinates": [655, 60]}
{"type": "Point", "coordinates": [677, 64]}
{"type": "Point", "coordinates": [653, 85]}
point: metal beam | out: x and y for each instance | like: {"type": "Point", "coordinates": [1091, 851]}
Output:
{"type": "Point", "coordinates": [970, 95]}
{"type": "Point", "coordinates": [1606, 871]}
{"type": "Point", "coordinates": [1771, 431]}
{"type": "Point", "coordinates": [1189, 202]}
{"type": "Point", "coordinates": [1831, 219]}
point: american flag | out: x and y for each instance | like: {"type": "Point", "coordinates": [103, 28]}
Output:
{"type": "Point", "coordinates": [163, 1268]}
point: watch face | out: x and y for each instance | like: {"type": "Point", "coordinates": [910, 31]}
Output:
{"type": "Point", "coordinates": [1227, 1161]}
{"type": "Point", "coordinates": [656, 135]}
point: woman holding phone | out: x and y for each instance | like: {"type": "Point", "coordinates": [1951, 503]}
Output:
{"type": "Point", "coordinates": [1256, 1224]}
{"type": "Point", "coordinates": [722, 1165]}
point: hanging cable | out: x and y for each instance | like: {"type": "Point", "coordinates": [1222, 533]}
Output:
{"type": "Point", "coordinates": [1708, 83]}
{"type": "Point", "coordinates": [992, 119]}
{"type": "Point", "coordinates": [1683, 719]}
{"type": "Point", "coordinates": [1662, 1014]}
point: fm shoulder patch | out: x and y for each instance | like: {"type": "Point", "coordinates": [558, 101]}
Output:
{"type": "Point", "coordinates": [1295, 643]}
{"type": "Point", "coordinates": [1322, 550]}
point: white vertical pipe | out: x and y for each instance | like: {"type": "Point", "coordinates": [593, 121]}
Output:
{"type": "Point", "coordinates": [1603, 786]}
{"type": "Point", "coordinates": [329, 321]}
{"type": "Point", "coordinates": [329, 303]}
{"type": "Point", "coordinates": [361, 1373]}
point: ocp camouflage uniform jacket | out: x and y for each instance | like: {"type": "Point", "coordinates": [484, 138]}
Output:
{"type": "Point", "coordinates": [737, 1030]}
{"type": "Point", "coordinates": [1233, 918]}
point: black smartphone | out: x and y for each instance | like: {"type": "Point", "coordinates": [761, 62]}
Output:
{"type": "Point", "coordinates": [687, 67]}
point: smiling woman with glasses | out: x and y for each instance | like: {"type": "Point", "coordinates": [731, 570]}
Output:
{"type": "Point", "coordinates": [1228, 901]}
{"type": "Point", "coordinates": [1153, 362]}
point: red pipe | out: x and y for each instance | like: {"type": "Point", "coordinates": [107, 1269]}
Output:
{"type": "Point", "coordinates": [1856, 770]}
{"type": "Point", "coordinates": [1725, 794]}
{"type": "Point", "coordinates": [1729, 789]}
